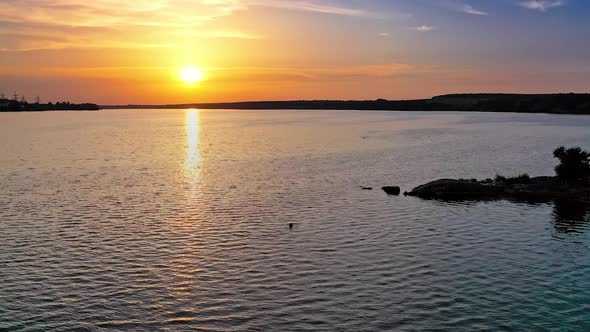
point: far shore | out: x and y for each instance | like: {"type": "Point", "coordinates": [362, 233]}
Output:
{"type": "Point", "coordinates": [15, 105]}
{"type": "Point", "coordinates": [570, 103]}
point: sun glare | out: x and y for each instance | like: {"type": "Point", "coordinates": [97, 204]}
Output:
{"type": "Point", "coordinates": [192, 74]}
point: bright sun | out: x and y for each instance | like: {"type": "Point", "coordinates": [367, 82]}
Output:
{"type": "Point", "coordinates": [191, 74]}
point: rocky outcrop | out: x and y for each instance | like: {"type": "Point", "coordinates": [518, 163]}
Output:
{"type": "Point", "coordinates": [543, 188]}
{"type": "Point", "coordinates": [393, 191]}
{"type": "Point", "coordinates": [455, 189]}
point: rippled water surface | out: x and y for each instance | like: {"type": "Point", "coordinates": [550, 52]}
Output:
{"type": "Point", "coordinates": [178, 220]}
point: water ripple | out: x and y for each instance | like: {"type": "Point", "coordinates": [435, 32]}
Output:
{"type": "Point", "coordinates": [177, 221]}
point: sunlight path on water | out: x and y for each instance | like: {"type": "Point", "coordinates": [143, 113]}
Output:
{"type": "Point", "coordinates": [192, 164]}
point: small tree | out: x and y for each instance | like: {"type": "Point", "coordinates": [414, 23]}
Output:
{"type": "Point", "coordinates": [574, 163]}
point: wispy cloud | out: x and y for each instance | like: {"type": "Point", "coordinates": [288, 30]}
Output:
{"type": "Point", "coordinates": [424, 28]}
{"type": "Point", "coordinates": [387, 70]}
{"type": "Point", "coordinates": [233, 74]}
{"type": "Point", "coordinates": [77, 23]}
{"type": "Point", "coordinates": [310, 6]}
{"type": "Point", "coordinates": [540, 5]}
{"type": "Point", "coordinates": [227, 34]}
{"type": "Point", "coordinates": [468, 9]}
{"type": "Point", "coordinates": [108, 13]}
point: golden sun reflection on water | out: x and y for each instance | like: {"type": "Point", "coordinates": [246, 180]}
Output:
{"type": "Point", "coordinates": [192, 163]}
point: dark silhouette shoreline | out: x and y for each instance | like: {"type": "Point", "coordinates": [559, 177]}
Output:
{"type": "Point", "coordinates": [512, 103]}
{"type": "Point", "coordinates": [570, 103]}
{"type": "Point", "coordinates": [537, 189]}
{"type": "Point", "coordinates": [7, 105]}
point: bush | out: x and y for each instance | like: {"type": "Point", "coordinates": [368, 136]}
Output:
{"type": "Point", "coordinates": [500, 178]}
{"type": "Point", "coordinates": [574, 163]}
{"type": "Point", "coordinates": [520, 179]}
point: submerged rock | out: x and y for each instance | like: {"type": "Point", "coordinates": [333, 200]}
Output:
{"type": "Point", "coordinates": [393, 191]}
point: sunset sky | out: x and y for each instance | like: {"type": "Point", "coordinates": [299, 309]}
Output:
{"type": "Point", "coordinates": [119, 52]}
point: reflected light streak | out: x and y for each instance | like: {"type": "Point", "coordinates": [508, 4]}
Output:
{"type": "Point", "coordinates": [192, 164]}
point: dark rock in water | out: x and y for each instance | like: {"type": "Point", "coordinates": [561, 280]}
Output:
{"type": "Point", "coordinates": [543, 188]}
{"type": "Point", "coordinates": [367, 188]}
{"type": "Point", "coordinates": [455, 189]}
{"type": "Point", "coordinates": [291, 226]}
{"type": "Point", "coordinates": [393, 191]}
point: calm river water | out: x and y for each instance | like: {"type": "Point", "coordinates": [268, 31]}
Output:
{"type": "Point", "coordinates": [178, 220]}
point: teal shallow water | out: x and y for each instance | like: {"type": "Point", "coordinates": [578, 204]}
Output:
{"type": "Point", "coordinates": [177, 220]}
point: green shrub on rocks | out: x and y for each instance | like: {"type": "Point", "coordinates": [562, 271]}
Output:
{"type": "Point", "coordinates": [574, 163]}
{"type": "Point", "coordinates": [520, 179]}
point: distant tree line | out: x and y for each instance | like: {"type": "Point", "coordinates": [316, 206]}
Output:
{"type": "Point", "coordinates": [519, 103]}
{"type": "Point", "coordinates": [15, 105]}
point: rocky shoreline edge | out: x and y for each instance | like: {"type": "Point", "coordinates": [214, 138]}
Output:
{"type": "Point", "coordinates": [542, 188]}
{"type": "Point", "coordinates": [571, 183]}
